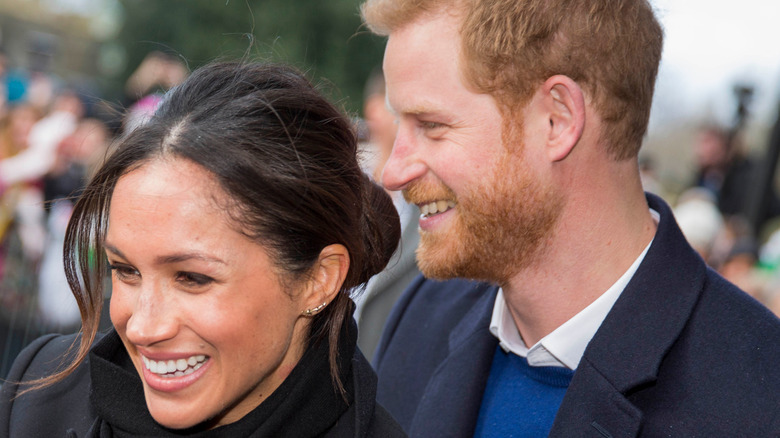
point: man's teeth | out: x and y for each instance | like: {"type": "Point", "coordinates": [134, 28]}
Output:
{"type": "Point", "coordinates": [174, 368]}
{"type": "Point", "coordinates": [436, 207]}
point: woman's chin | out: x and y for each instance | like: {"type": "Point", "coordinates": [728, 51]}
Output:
{"type": "Point", "coordinates": [173, 422]}
{"type": "Point", "coordinates": [173, 417]}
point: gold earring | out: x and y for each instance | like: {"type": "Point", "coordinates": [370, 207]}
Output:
{"type": "Point", "coordinates": [314, 311]}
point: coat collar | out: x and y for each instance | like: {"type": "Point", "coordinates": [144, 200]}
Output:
{"type": "Point", "coordinates": [452, 398]}
{"type": "Point", "coordinates": [642, 326]}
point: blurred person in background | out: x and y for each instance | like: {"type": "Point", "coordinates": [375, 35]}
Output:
{"type": "Point", "coordinates": [725, 169]}
{"type": "Point", "coordinates": [22, 235]}
{"type": "Point", "coordinates": [383, 290]}
{"type": "Point", "coordinates": [740, 266]}
{"type": "Point", "coordinates": [21, 199]}
{"type": "Point", "coordinates": [730, 176]}
{"type": "Point", "coordinates": [21, 186]}
{"type": "Point", "coordinates": [700, 220]}
{"type": "Point", "coordinates": [27, 167]}
{"type": "Point", "coordinates": [156, 74]}
{"type": "Point", "coordinates": [46, 135]}
{"type": "Point", "coordinates": [15, 129]}
{"type": "Point", "coordinates": [77, 157]}
{"type": "Point", "coordinates": [711, 158]}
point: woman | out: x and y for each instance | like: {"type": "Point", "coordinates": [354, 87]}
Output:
{"type": "Point", "coordinates": [235, 223]}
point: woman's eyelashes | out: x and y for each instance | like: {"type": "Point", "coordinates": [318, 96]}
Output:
{"type": "Point", "coordinates": [124, 272]}
{"type": "Point", "coordinates": [129, 274]}
{"type": "Point", "coordinates": [192, 279]}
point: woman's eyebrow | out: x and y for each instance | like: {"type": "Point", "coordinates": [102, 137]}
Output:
{"type": "Point", "coordinates": [112, 249]}
{"type": "Point", "coordinates": [171, 258]}
{"type": "Point", "coordinates": [181, 257]}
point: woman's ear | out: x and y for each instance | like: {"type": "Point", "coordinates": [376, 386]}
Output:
{"type": "Point", "coordinates": [564, 103]}
{"type": "Point", "coordinates": [326, 279]}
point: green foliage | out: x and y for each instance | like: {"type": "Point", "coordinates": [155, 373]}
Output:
{"type": "Point", "coordinates": [324, 38]}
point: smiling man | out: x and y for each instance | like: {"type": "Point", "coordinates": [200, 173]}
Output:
{"type": "Point", "coordinates": [519, 126]}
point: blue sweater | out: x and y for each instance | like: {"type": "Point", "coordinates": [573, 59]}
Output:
{"type": "Point", "coordinates": [520, 400]}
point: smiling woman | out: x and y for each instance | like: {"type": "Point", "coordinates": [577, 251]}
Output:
{"type": "Point", "coordinates": [236, 223]}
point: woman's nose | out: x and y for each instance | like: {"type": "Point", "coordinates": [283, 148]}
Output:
{"type": "Point", "coordinates": [153, 318]}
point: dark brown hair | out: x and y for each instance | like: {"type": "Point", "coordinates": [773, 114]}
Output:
{"type": "Point", "coordinates": [285, 156]}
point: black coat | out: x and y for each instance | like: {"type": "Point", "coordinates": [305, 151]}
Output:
{"type": "Point", "coordinates": [68, 409]}
{"type": "Point", "coordinates": [682, 353]}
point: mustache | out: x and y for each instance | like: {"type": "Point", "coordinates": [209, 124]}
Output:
{"type": "Point", "coordinates": [423, 192]}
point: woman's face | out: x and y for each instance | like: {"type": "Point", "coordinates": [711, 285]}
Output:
{"type": "Point", "coordinates": [203, 316]}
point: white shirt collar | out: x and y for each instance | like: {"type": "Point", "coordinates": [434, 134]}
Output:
{"type": "Point", "coordinates": [565, 346]}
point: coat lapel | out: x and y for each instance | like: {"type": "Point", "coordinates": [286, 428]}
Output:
{"type": "Point", "coordinates": [592, 407]}
{"type": "Point", "coordinates": [633, 340]}
{"type": "Point", "coordinates": [450, 406]}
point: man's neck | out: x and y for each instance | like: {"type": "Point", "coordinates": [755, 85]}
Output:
{"type": "Point", "coordinates": [595, 242]}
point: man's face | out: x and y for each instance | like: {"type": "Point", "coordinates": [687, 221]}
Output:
{"type": "Point", "coordinates": [486, 210]}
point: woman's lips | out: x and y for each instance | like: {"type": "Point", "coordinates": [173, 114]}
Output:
{"type": "Point", "coordinates": [174, 374]}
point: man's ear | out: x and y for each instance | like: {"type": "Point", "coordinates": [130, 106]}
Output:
{"type": "Point", "coordinates": [564, 104]}
{"type": "Point", "coordinates": [327, 276]}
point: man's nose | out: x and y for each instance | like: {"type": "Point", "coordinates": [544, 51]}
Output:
{"type": "Point", "coordinates": [404, 164]}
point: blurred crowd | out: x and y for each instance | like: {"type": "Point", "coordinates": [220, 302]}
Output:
{"type": "Point", "coordinates": [52, 136]}
{"type": "Point", "coordinates": [730, 216]}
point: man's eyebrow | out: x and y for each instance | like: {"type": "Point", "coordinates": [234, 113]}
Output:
{"type": "Point", "coordinates": [420, 109]}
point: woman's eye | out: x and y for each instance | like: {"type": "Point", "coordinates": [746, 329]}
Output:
{"type": "Point", "coordinates": [192, 279]}
{"type": "Point", "coordinates": [124, 272]}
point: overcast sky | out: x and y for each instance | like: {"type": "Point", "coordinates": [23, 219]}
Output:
{"type": "Point", "coordinates": [711, 45]}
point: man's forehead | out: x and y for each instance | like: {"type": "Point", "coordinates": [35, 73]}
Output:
{"type": "Point", "coordinates": [437, 18]}
{"type": "Point", "coordinates": [422, 47]}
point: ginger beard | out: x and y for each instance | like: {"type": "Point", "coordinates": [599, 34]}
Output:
{"type": "Point", "coordinates": [498, 228]}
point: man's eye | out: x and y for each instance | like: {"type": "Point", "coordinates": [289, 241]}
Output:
{"type": "Point", "coordinates": [431, 125]}
{"type": "Point", "coordinates": [193, 279]}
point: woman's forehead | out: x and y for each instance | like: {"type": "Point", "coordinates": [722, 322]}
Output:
{"type": "Point", "coordinates": [169, 177]}
{"type": "Point", "coordinates": [169, 188]}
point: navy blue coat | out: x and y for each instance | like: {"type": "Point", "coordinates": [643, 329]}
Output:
{"type": "Point", "coordinates": [682, 353]}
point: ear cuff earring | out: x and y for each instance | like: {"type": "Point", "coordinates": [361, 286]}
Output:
{"type": "Point", "coordinates": [314, 311]}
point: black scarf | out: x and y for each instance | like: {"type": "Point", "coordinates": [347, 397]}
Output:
{"type": "Point", "coordinates": [306, 404]}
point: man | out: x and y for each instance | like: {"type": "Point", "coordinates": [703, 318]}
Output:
{"type": "Point", "coordinates": [383, 290]}
{"type": "Point", "coordinates": [519, 125]}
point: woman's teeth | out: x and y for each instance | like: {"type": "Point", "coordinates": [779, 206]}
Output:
{"type": "Point", "coordinates": [174, 368]}
{"type": "Point", "coordinates": [436, 207]}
